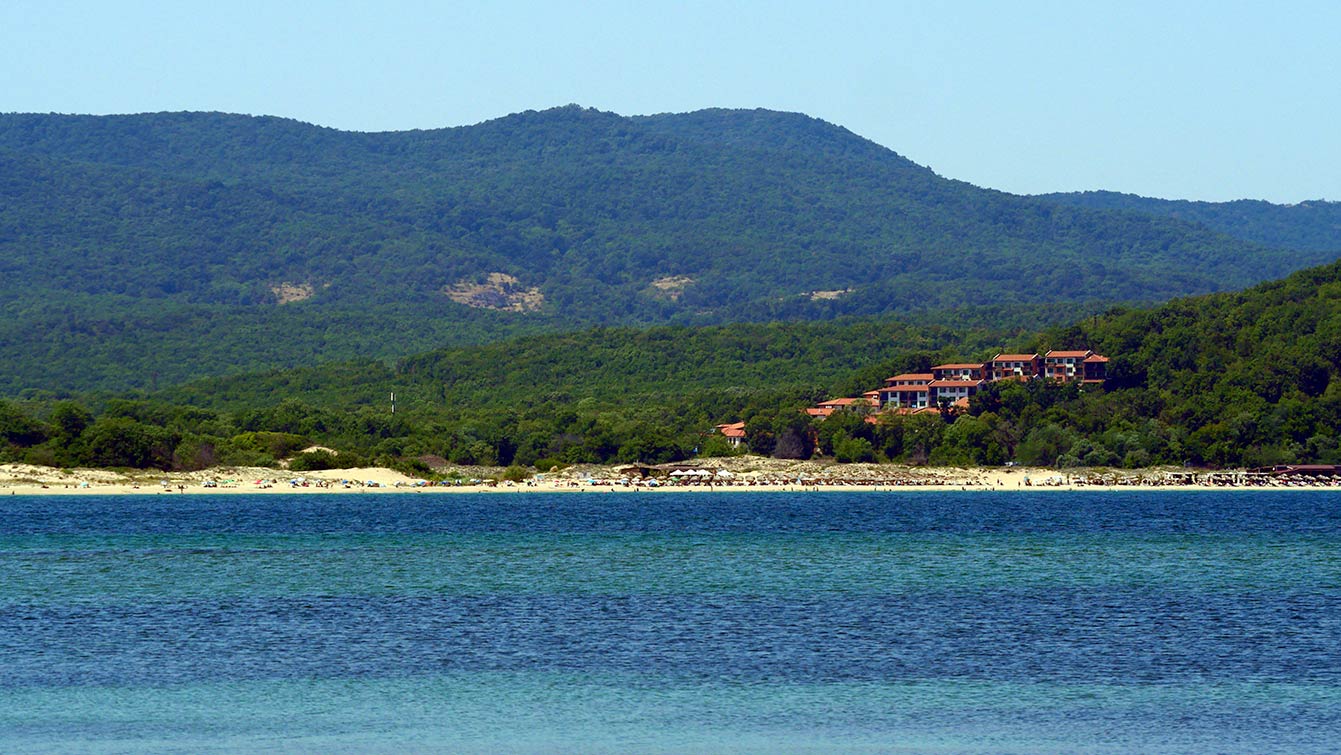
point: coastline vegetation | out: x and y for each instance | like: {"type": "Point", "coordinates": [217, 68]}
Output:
{"type": "Point", "coordinates": [1236, 379]}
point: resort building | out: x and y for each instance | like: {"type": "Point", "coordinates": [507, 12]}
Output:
{"type": "Point", "coordinates": [734, 433]}
{"type": "Point", "coordinates": [826, 408]}
{"type": "Point", "coordinates": [955, 383]}
{"type": "Point", "coordinates": [906, 397]}
{"type": "Point", "coordinates": [953, 390]}
{"type": "Point", "coordinates": [1095, 369]}
{"type": "Point", "coordinates": [1063, 365]}
{"type": "Point", "coordinates": [964, 371]}
{"type": "Point", "coordinates": [911, 390]}
{"type": "Point", "coordinates": [1019, 366]}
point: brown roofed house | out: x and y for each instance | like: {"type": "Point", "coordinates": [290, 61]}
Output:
{"type": "Point", "coordinates": [958, 371]}
{"type": "Point", "coordinates": [1095, 368]}
{"type": "Point", "coordinates": [910, 378]}
{"type": "Point", "coordinates": [1064, 365]}
{"type": "Point", "coordinates": [733, 432]}
{"type": "Point", "coordinates": [1017, 366]}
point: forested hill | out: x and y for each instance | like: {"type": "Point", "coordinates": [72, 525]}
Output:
{"type": "Point", "coordinates": [1312, 225]}
{"type": "Point", "coordinates": [172, 246]}
{"type": "Point", "coordinates": [1245, 378]}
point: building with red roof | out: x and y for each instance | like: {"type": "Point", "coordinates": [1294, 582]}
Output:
{"type": "Point", "coordinates": [1066, 365]}
{"type": "Point", "coordinates": [958, 371]}
{"type": "Point", "coordinates": [1095, 369]}
{"type": "Point", "coordinates": [733, 432]}
{"type": "Point", "coordinates": [953, 390]}
{"type": "Point", "coordinates": [906, 396]}
{"type": "Point", "coordinates": [1005, 366]}
{"type": "Point", "coordinates": [910, 378]}
{"type": "Point", "coordinates": [826, 408]}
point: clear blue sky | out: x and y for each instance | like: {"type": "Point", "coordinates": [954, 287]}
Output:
{"type": "Point", "coordinates": [1194, 100]}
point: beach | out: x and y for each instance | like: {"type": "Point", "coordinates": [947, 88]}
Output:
{"type": "Point", "coordinates": [715, 474]}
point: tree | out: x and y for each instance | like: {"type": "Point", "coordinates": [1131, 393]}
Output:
{"type": "Point", "coordinates": [850, 450]}
{"type": "Point", "coordinates": [18, 428]}
{"type": "Point", "coordinates": [1044, 445]}
{"type": "Point", "coordinates": [921, 435]}
{"type": "Point", "coordinates": [794, 443]}
{"type": "Point", "coordinates": [123, 442]}
{"type": "Point", "coordinates": [70, 420]}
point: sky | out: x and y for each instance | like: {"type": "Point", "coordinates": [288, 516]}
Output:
{"type": "Point", "coordinates": [1181, 100]}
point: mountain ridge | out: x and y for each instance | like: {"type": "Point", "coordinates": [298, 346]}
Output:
{"type": "Point", "coordinates": [749, 212]}
{"type": "Point", "coordinates": [1311, 224]}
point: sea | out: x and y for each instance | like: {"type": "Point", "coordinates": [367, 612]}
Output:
{"type": "Point", "coordinates": [982, 622]}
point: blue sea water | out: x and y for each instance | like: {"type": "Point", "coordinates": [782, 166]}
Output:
{"type": "Point", "coordinates": [834, 622]}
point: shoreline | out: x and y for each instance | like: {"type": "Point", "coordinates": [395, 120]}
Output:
{"type": "Point", "coordinates": [751, 474]}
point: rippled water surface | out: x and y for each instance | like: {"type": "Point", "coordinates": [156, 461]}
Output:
{"type": "Point", "coordinates": [978, 622]}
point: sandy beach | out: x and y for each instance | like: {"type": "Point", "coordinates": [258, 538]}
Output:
{"type": "Point", "coordinates": [725, 474]}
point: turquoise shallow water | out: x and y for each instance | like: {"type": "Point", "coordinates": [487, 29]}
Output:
{"type": "Point", "coordinates": [835, 622]}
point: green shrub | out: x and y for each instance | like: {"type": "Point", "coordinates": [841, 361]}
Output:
{"type": "Point", "coordinates": [716, 445]}
{"type": "Point", "coordinates": [516, 473]}
{"type": "Point", "coordinates": [314, 461]}
{"type": "Point", "coordinates": [277, 445]}
{"type": "Point", "coordinates": [229, 455]}
{"type": "Point", "coordinates": [122, 442]}
{"type": "Point", "coordinates": [412, 467]}
{"type": "Point", "coordinates": [850, 450]}
{"type": "Point", "coordinates": [195, 453]}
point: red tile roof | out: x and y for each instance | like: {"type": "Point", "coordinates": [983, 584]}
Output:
{"type": "Point", "coordinates": [960, 366]}
{"type": "Point", "coordinates": [956, 383]}
{"type": "Point", "coordinates": [1096, 358]}
{"type": "Point", "coordinates": [911, 376]}
{"type": "Point", "coordinates": [1014, 357]}
{"type": "Point", "coordinates": [842, 402]}
{"type": "Point", "coordinates": [1065, 354]}
{"type": "Point", "coordinates": [733, 430]}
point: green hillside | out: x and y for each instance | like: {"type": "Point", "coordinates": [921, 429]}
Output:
{"type": "Point", "coordinates": [596, 395]}
{"type": "Point", "coordinates": [1314, 226]}
{"type": "Point", "coordinates": [153, 249]}
{"type": "Point", "coordinates": [1248, 378]}
{"type": "Point", "coordinates": [1242, 378]}
{"type": "Point", "coordinates": [607, 368]}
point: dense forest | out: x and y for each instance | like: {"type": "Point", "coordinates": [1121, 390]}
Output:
{"type": "Point", "coordinates": [1234, 379]}
{"type": "Point", "coordinates": [143, 251]}
{"type": "Point", "coordinates": [1312, 225]}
